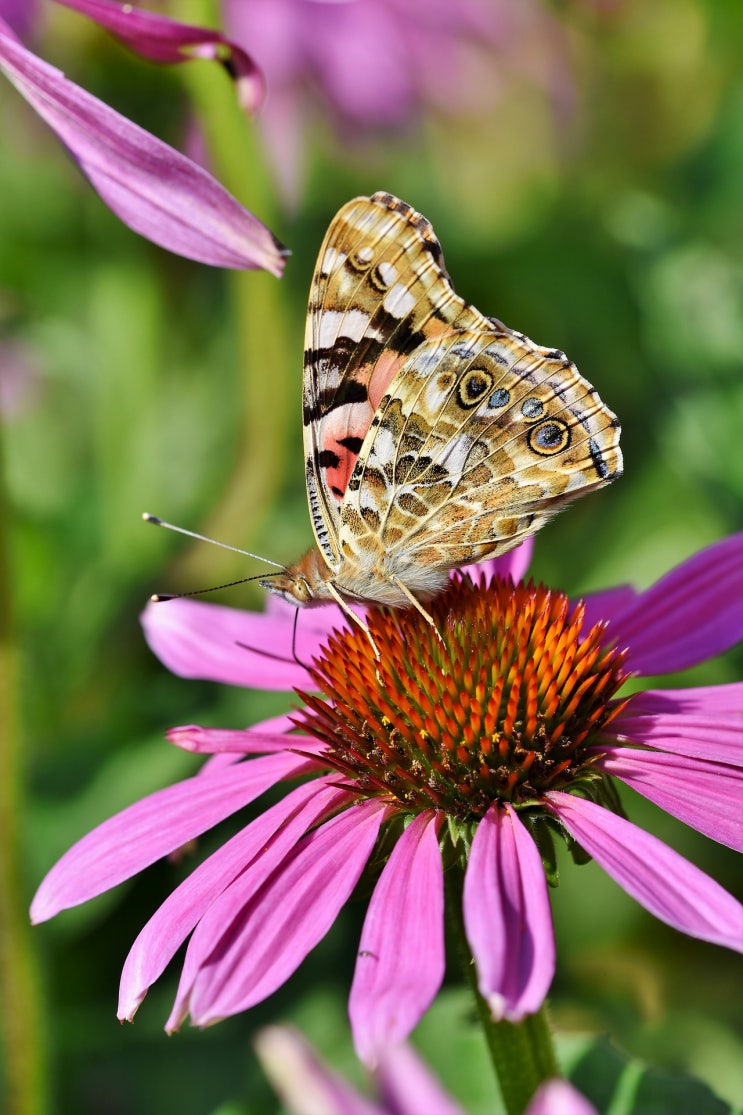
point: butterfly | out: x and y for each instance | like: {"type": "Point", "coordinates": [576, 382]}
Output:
{"type": "Point", "coordinates": [433, 436]}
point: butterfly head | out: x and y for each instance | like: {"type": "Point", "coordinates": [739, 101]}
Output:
{"type": "Point", "coordinates": [303, 583]}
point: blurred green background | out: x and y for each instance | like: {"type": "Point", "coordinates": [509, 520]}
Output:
{"type": "Point", "coordinates": [594, 201]}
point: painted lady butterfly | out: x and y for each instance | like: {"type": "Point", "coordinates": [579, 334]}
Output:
{"type": "Point", "coordinates": [434, 436]}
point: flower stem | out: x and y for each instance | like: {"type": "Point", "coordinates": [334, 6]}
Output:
{"type": "Point", "coordinates": [24, 1045]}
{"type": "Point", "coordinates": [522, 1054]}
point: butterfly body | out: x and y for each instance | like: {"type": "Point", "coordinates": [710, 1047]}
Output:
{"type": "Point", "coordinates": [434, 436]}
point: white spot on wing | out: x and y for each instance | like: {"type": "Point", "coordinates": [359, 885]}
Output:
{"type": "Point", "coordinates": [331, 260]}
{"type": "Point", "coordinates": [335, 324]}
{"type": "Point", "coordinates": [387, 273]}
{"type": "Point", "coordinates": [399, 301]}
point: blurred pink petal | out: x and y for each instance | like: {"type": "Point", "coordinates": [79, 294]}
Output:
{"type": "Point", "coordinates": [666, 884]}
{"type": "Point", "coordinates": [557, 1097]}
{"type": "Point", "coordinates": [165, 40]}
{"type": "Point", "coordinates": [692, 613]}
{"type": "Point", "coordinates": [409, 1087]}
{"type": "Point", "coordinates": [303, 1082]}
{"type": "Point", "coordinates": [154, 827]}
{"type": "Point", "coordinates": [699, 793]}
{"type": "Point", "coordinates": [507, 916]}
{"type": "Point", "coordinates": [607, 603]}
{"type": "Point", "coordinates": [400, 962]}
{"type": "Point", "coordinates": [248, 944]}
{"type": "Point", "coordinates": [267, 839]}
{"type": "Point", "coordinates": [150, 186]}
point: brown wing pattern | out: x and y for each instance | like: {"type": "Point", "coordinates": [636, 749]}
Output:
{"type": "Point", "coordinates": [379, 293]}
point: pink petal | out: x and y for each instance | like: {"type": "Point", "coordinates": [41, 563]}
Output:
{"type": "Point", "coordinates": [507, 916]}
{"type": "Point", "coordinates": [151, 187]}
{"type": "Point", "coordinates": [251, 940]}
{"type": "Point", "coordinates": [557, 1097]}
{"type": "Point", "coordinates": [400, 962]}
{"type": "Point", "coordinates": [152, 828]}
{"type": "Point", "coordinates": [165, 40]}
{"type": "Point", "coordinates": [705, 795]}
{"type": "Point", "coordinates": [693, 613]}
{"type": "Point", "coordinates": [267, 839]}
{"type": "Point", "coordinates": [514, 564]}
{"type": "Point", "coordinates": [409, 1087]}
{"type": "Point", "coordinates": [209, 641]}
{"type": "Point", "coordinates": [705, 723]}
{"type": "Point", "coordinates": [606, 604]}
{"type": "Point", "coordinates": [670, 887]}
{"type": "Point", "coordinates": [302, 1081]}
{"type": "Point", "coordinates": [277, 734]}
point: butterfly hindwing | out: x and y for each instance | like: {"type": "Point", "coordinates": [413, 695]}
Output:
{"type": "Point", "coordinates": [480, 438]}
{"type": "Point", "coordinates": [379, 292]}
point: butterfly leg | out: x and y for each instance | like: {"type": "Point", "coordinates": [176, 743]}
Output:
{"type": "Point", "coordinates": [352, 616]}
{"type": "Point", "coordinates": [416, 604]}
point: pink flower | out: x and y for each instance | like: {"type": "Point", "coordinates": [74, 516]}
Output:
{"type": "Point", "coordinates": [152, 188]}
{"type": "Point", "coordinates": [406, 1085]}
{"type": "Point", "coordinates": [483, 740]}
{"type": "Point", "coordinates": [375, 64]}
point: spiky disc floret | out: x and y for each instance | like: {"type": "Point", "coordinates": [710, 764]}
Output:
{"type": "Point", "coordinates": [498, 702]}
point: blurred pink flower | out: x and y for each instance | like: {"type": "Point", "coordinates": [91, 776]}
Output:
{"type": "Point", "coordinates": [405, 1084]}
{"type": "Point", "coordinates": [151, 187]}
{"type": "Point", "coordinates": [373, 64]}
{"type": "Point", "coordinates": [488, 745]}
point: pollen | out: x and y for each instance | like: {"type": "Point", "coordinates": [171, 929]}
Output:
{"type": "Point", "coordinates": [498, 701]}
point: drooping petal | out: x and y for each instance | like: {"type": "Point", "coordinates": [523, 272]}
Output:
{"type": "Point", "coordinates": [154, 827]}
{"type": "Point", "coordinates": [209, 641]}
{"type": "Point", "coordinates": [150, 186]}
{"type": "Point", "coordinates": [558, 1097]}
{"type": "Point", "coordinates": [161, 39]}
{"type": "Point", "coordinates": [267, 839]}
{"type": "Point", "coordinates": [670, 887]}
{"type": "Point", "coordinates": [400, 962]}
{"type": "Point", "coordinates": [248, 944]}
{"type": "Point", "coordinates": [705, 795]}
{"type": "Point", "coordinates": [692, 613]}
{"type": "Point", "coordinates": [269, 736]}
{"type": "Point", "coordinates": [409, 1087]}
{"type": "Point", "coordinates": [303, 1082]}
{"type": "Point", "coordinates": [507, 916]}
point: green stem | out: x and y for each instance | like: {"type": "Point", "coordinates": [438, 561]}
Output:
{"type": "Point", "coordinates": [267, 347]}
{"type": "Point", "coordinates": [522, 1053]}
{"type": "Point", "coordinates": [23, 1031]}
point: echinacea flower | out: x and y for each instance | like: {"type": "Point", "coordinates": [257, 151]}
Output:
{"type": "Point", "coordinates": [472, 745]}
{"type": "Point", "coordinates": [406, 1085]}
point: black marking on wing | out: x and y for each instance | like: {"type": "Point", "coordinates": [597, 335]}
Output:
{"type": "Point", "coordinates": [353, 444]}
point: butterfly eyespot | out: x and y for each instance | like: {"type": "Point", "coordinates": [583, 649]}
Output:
{"type": "Point", "coordinates": [361, 259]}
{"type": "Point", "coordinates": [549, 437]}
{"type": "Point", "coordinates": [532, 408]}
{"type": "Point", "coordinates": [499, 398]}
{"type": "Point", "coordinates": [474, 384]}
{"type": "Point", "coordinates": [445, 380]}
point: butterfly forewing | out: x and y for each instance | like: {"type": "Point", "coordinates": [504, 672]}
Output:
{"type": "Point", "coordinates": [379, 292]}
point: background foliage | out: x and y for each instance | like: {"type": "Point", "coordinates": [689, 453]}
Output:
{"type": "Point", "coordinates": [598, 212]}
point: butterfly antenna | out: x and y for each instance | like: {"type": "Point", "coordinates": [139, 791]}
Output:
{"type": "Point", "coordinates": [160, 597]}
{"type": "Point", "coordinates": [203, 538]}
